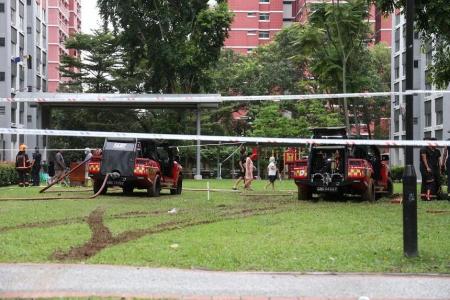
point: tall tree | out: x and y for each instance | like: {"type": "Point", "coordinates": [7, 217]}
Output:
{"type": "Point", "coordinates": [176, 41]}
{"type": "Point", "coordinates": [91, 71]}
{"type": "Point", "coordinates": [345, 32]}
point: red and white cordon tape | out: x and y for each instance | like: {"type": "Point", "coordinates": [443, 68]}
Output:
{"type": "Point", "coordinates": [50, 98]}
{"type": "Point", "coordinates": [226, 139]}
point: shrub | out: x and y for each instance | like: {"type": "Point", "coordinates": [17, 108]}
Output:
{"type": "Point", "coordinates": [8, 174]}
{"type": "Point", "coordinates": [397, 173]}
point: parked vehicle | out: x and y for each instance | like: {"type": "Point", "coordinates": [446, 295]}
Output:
{"type": "Point", "coordinates": [136, 164]}
{"type": "Point", "coordinates": [342, 170]}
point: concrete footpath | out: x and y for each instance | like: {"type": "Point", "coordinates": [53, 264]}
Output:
{"type": "Point", "coordinates": [58, 280]}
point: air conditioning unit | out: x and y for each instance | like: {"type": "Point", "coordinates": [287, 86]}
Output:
{"type": "Point", "coordinates": [13, 125]}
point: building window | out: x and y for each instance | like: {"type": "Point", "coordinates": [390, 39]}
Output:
{"type": "Point", "coordinates": [2, 7]}
{"type": "Point", "coordinates": [2, 110]}
{"type": "Point", "coordinates": [404, 63]}
{"type": "Point", "coordinates": [397, 120]}
{"type": "Point", "coordinates": [264, 1]}
{"type": "Point", "coordinates": [251, 32]}
{"type": "Point", "coordinates": [397, 40]}
{"type": "Point", "coordinates": [29, 30]}
{"type": "Point", "coordinates": [251, 14]}
{"type": "Point", "coordinates": [2, 42]}
{"type": "Point", "coordinates": [264, 16]}
{"type": "Point", "coordinates": [427, 113]}
{"type": "Point", "coordinates": [396, 97]}
{"type": "Point", "coordinates": [427, 134]}
{"type": "Point", "coordinates": [249, 50]}
{"type": "Point", "coordinates": [2, 76]}
{"type": "Point", "coordinates": [397, 67]}
{"type": "Point", "coordinates": [438, 108]}
{"type": "Point", "coordinates": [264, 35]}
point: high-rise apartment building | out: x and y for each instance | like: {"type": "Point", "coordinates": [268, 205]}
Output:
{"type": "Point", "coordinates": [64, 18]}
{"type": "Point", "coordinates": [23, 67]}
{"type": "Point", "coordinates": [429, 117]}
{"type": "Point", "coordinates": [257, 21]}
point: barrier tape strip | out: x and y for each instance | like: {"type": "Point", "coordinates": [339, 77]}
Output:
{"type": "Point", "coordinates": [227, 139]}
{"type": "Point", "coordinates": [200, 99]}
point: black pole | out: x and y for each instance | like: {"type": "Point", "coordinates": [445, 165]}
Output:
{"type": "Point", "coordinates": [410, 248]}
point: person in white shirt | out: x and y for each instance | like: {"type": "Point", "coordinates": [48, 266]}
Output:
{"type": "Point", "coordinates": [272, 172]}
{"type": "Point", "coordinates": [87, 158]}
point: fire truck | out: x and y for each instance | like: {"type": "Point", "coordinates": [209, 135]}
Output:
{"type": "Point", "coordinates": [339, 170]}
{"type": "Point", "coordinates": [136, 164]}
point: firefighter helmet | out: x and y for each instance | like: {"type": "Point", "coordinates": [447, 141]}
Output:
{"type": "Point", "coordinates": [23, 147]}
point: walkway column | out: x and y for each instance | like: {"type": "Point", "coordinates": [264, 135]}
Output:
{"type": "Point", "coordinates": [198, 175]}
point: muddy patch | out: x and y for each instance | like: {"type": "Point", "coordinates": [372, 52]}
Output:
{"type": "Point", "coordinates": [100, 239]}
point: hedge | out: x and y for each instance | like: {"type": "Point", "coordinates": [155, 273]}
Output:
{"type": "Point", "coordinates": [397, 173]}
{"type": "Point", "coordinates": [8, 174]}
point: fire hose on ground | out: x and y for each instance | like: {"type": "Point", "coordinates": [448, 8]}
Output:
{"type": "Point", "coordinates": [58, 180]}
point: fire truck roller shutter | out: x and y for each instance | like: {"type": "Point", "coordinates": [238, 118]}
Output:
{"type": "Point", "coordinates": [118, 157]}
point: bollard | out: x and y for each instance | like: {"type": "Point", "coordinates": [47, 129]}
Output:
{"type": "Point", "coordinates": [410, 212]}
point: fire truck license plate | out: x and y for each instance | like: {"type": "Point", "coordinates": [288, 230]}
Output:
{"type": "Point", "coordinates": [327, 188]}
{"type": "Point", "coordinates": [115, 182]}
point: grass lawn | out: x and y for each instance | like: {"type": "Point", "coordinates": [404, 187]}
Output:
{"type": "Point", "coordinates": [258, 230]}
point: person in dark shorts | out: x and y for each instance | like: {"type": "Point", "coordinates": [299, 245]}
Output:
{"type": "Point", "coordinates": [272, 173]}
{"type": "Point", "coordinates": [241, 175]}
{"type": "Point", "coordinates": [37, 164]}
{"type": "Point", "coordinates": [430, 169]}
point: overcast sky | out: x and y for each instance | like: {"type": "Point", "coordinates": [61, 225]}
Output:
{"type": "Point", "coordinates": [89, 16]}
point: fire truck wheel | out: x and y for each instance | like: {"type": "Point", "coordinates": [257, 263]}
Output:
{"type": "Point", "coordinates": [155, 189]}
{"type": "Point", "coordinates": [390, 188]}
{"type": "Point", "coordinates": [180, 185]}
{"type": "Point", "coordinates": [304, 193]}
{"type": "Point", "coordinates": [369, 193]}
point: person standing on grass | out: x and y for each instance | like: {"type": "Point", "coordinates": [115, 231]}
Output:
{"type": "Point", "coordinates": [23, 166]}
{"type": "Point", "coordinates": [37, 159]}
{"type": "Point", "coordinates": [87, 159]}
{"type": "Point", "coordinates": [249, 172]}
{"type": "Point", "coordinates": [446, 166]}
{"type": "Point", "coordinates": [51, 172]}
{"type": "Point", "coordinates": [60, 165]}
{"type": "Point", "coordinates": [242, 159]}
{"type": "Point", "coordinates": [429, 162]}
{"type": "Point", "coordinates": [272, 173]}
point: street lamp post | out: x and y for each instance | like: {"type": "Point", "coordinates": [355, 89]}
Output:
{"type": "Point", "coordinates": [410, 248]}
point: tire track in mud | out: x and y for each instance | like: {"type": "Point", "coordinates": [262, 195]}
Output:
{"type": "Point", "coordinates": [80, 220]}
{"type": "Point", "coordinates": [136, 214]}
{"type": "Point", "coordinates": [102, 237]}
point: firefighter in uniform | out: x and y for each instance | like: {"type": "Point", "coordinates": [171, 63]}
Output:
{"type": "Point", "coordinates": [23, 165]}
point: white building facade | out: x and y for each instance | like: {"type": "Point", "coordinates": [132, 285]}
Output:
{"type": "Point", "coordinates": [23, 68]}
{"type": "Point", "coordinates": [429, 117]}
